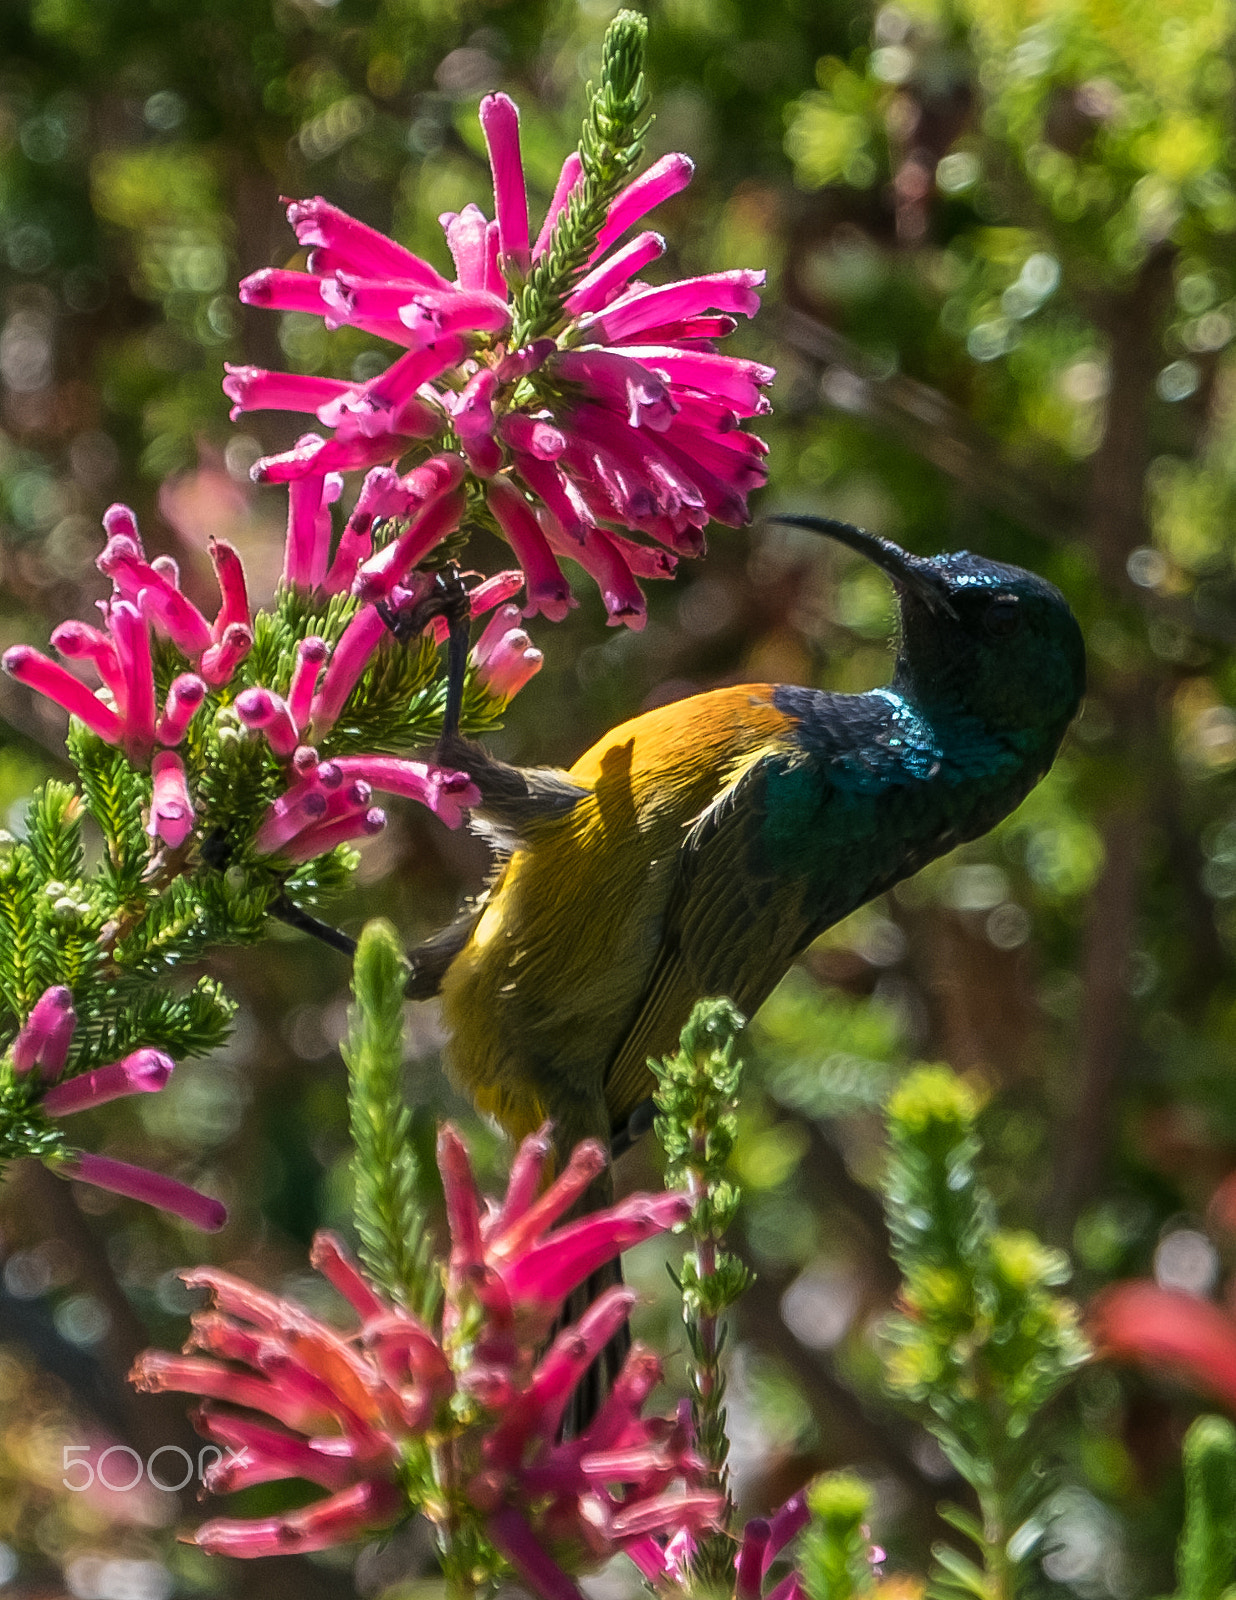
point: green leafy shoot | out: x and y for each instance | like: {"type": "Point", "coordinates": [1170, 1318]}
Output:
{"type": "Point", "coordinates": [983, 1342]}
{"type": "Point", "coordinates": [610, 146]}
{"type": "Point", "coordinates": [835, 1556]}
{"type": "Point", "coordinates": [1206, 1557]}
{"type": "Point", "coordinates": [696, 1100]}
{"type": "Point", "coordinates": [394, 1244]}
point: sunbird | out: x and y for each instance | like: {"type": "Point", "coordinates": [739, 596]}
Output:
{"type": "Point", "coordinates": [697, 849]}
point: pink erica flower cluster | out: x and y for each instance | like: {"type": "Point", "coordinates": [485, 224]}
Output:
{"type": "Point", "coordinates": [146, 600]}
{"type": "Point", "coordinates": [37, 1061]}
{"type": "Point", "coordinates": [324, 803]}
{"type": "Point", "coordinates": [626, 419]}
{"type": "Point", "coordinates": [289, 1397]}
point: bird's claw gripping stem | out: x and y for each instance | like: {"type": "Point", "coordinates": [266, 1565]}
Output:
{"type": "Point", "coordinates": [447, 597]}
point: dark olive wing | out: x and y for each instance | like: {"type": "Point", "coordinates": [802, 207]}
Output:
{"type": "Point", "coordinates": [734, 923]}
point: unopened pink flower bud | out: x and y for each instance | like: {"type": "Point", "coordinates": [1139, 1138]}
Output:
{"type": "Point", "coordinates": [548, 590]}
{"type": "Point", "coordinates": [143, 1072]}
{"type": "Point", "coordinates": [435, 521]}
{"type": "Point", "coordinates": [322, 226]}
{"type": "Point", "coordinates": [288, 816]}
{"type": "Point", "coordinates": [371, 1505]}
{"type": "Point", "coordinates": [78, 641]}
{"type": "Point", "coordinates": [570, 176]}
{"type": "Point", "coordinates": [132, 638]}
{"type": "Point", "coordinates": [118, 519]}
{"type": "Point", "coordinates": [262, 709]}
{"type": "Point", "coordinates": [484, 456]}
{"type": "Point", "coordinates": [233, 590]}
{"type": "Point", "coordinates": [45, 1036]}
{"type": "Point", "coordinates": [614, 273]}
{"type": "Point", "coordinates": [171, 807]}
{"type": "Point", "coordinates": [663, 179]}
{"type": "Point", "coordinates": [351, 656]}
{"type": "Point", "coordinates": [465, 239]}
{"type": "Point", "coordinates": [316, 841]}
{"type": "Point", "coordinates": [312, 655]}
{"type": "Point", "coordinates": [221, 660]}
{"type": "Point", "coordinates": [171, 612]}
{"type": "Point", "coordinates": [330, 1257]}
{"type": "Point", "coordinates": [472, 412]}
{"type": "Point", "coordinates": [749, 1565]}
{"type": "Point", "coordinates": [255, 389]}
{"type": "Point", "coordinates": [169, 568]}
{"type": "Point", "coordinates": [308, 536]}
{"type": "Point", "coordinates": [533, 436]}
{"type": "Point", "coordinates": [183, 699]}
{"type": "Point", "coordinates": [500, 125]}
{"type": "Point", "coordinates": [446, 793]}
{"type": "Point", "coordinates": [503, 656]}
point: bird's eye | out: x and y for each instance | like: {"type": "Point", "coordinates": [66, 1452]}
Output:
{"type": "Point", "coordinates": [1003, 616]}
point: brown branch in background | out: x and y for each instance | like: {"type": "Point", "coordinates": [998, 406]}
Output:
{"type": "Point", "coordinates": [928, 423]}
{"type": "Point", "coordinates": [1208, 960]}
{"type": "Point", "coordinates": [870, 1433]}
{"type": "Point", "coordinates": [1133, 324]}
{"type": "Point", "coordinates": [1086, 1135]}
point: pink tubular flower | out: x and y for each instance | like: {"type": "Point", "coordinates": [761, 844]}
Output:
{"type": "Point", "coordinates": [143, 1072]}
{"type": "Point", "coordinates": [42, 1048]}
{"type": "Point", "coordinates": [25, 664]}
{"type": "Point", "coordinates": [138, 1183]}
{"type": "Point", "coordinates": [290, 1397]}
{"type": "Point", "coordinates": [626, 421]}
{"type": "Point", "coordinates": [183, 698]}
{"type": "Point", "coordinates": [1160, 1328]}
{"type": "Point", "coordinates": [351, 656]}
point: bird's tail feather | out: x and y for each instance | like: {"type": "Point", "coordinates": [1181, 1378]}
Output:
{"type": "Point", "coordinates": [594, 1386]}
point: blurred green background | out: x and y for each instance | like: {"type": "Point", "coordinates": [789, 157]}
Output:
{"type": "Point", "coordinates": [1002, 290]}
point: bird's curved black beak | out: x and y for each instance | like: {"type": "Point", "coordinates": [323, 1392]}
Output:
{"type": "Point", "coordinates": [910, 572]}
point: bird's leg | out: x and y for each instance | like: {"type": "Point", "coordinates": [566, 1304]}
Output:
{"type": "Point", "coordinates": [456, 671]}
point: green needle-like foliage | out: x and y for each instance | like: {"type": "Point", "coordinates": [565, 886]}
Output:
{"type": "Point", "coordinates": [697, 1097]}
{"type": "Point", "coordinates": [393, 1242]}
{"type": "Point", "coordinates": [983, 1342]}
{"type": "Point", "coordinates": [610, 146]}
{"type": "Point", "coordinates": [1206, 1558]}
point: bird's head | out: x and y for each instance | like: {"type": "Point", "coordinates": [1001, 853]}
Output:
{"type": "Point", "coordinates": [994, 640]}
